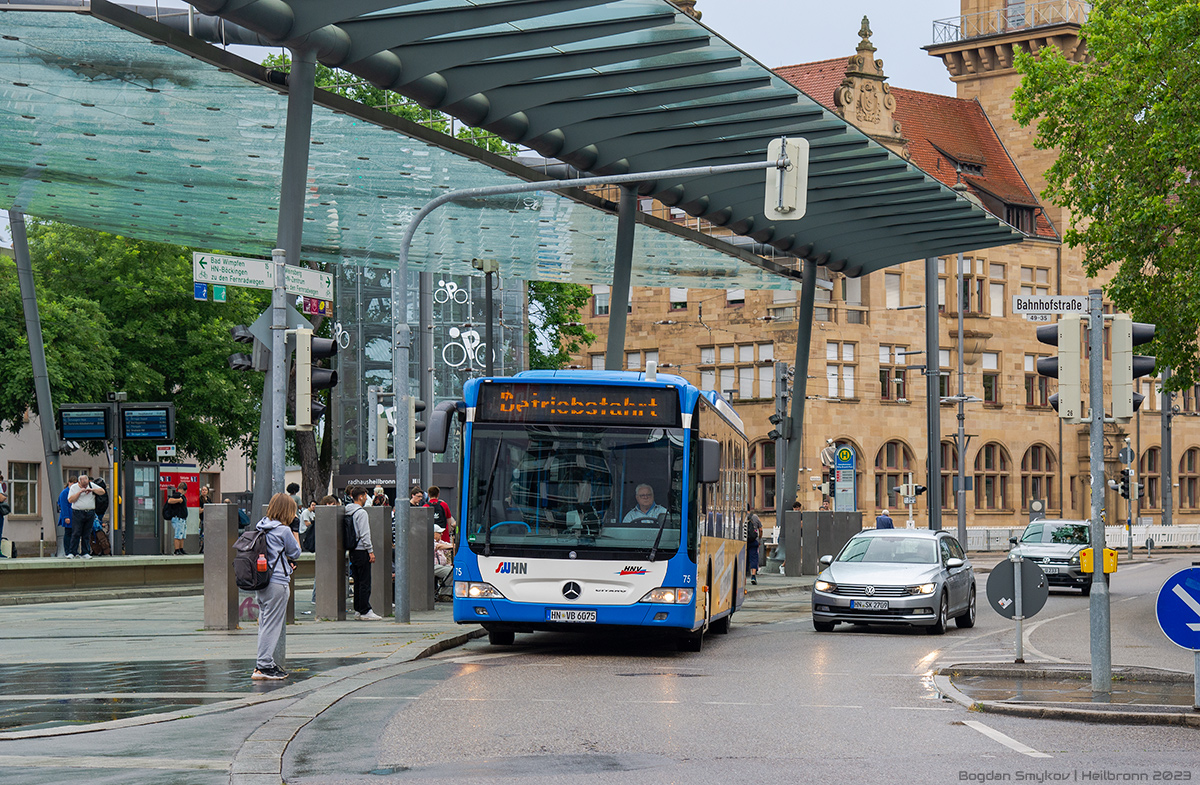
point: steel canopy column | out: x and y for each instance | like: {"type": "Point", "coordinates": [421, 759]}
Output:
{"type": "Point", "coordinates": [933, 480]}
{"type": "Point", "coordinates": [614, 354]}
{"type": "Point", "coordinates": [37, 354]}
{"type": "Point", "coordinates": [795, 424]}
{"type": "Point", "coordinates": [425, 378]}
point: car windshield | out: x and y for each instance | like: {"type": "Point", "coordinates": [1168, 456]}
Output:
{"type": "Point", "coordinates": [1059, 533]}
{"type": "Point", "coordinates": [575, 491]}
{"type": "Point", "coordinates": [897, 550]}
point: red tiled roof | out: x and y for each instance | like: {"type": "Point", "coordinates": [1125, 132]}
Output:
{"type": "Point", "coordinates": [939, 130]}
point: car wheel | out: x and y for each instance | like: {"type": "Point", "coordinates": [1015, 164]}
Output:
{"type": "Point", "coordinates": [939, 626]}
{"type": "Point", "coordinates": [824, 626]}
{"type": "Point", "coordinates": [501, 637]}
{"type": "Point", "coordinates": [967, 619]}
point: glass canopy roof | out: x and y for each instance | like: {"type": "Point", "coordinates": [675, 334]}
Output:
{"type": "Point", "coordinates": [101, 127]}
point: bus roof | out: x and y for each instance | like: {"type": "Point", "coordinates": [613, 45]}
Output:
{"type": "Point", "coordinates": [592, 377]}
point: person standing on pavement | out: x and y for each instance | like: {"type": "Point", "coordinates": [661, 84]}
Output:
{"type": "Point", "coordinates": [205, 491]}
{"type": "Point", "coordinates": [753, 536]}
{"type": "Point", "coordinates": [282, 552]}
{"type": "Point", "coordinates": [362, 555]}
{"type": "Point", "coordinates": [176, 513]}
{"type": "Point", "coordinates": [441, 514]}
{"type": "Point", "coordinates": [5, 506]}
{"type": "Point", "coordinates": [63, 529]}
{"type": "Point", "coordinates": [884, 521]}
{"type": "Point", "coordinates": [416, 497]}
{"type": "Point", "coordinates": [82, 498]}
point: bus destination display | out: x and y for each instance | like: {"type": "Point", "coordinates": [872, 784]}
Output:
{"type": "Point", "coordinates": [145, 424]}
{"type": "Point", "coordinates": [78, 424]}
{"type": "Point", "coordinates": [578, 403]}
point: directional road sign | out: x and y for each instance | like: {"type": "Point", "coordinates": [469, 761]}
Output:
{"type": "Point", "coordinates": [1001, 589]}
{"type": "Point", "coordinates": [1178, 608]}
{"type": "Point", "coordinates": [256, 274]}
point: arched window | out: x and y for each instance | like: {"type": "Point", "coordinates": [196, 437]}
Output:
{"type": "Point", "coordinates": [1189, 480]}
{"type": "Point", "coordinates": [762, 476]}
{"type": "Point", "coordinates": [893, 462]}
{"type": "Point", "coordinates": [992, 467]}
{"type": "Point", "coordinates": [1038, 468]}
{"type": "Point", "coordinates": [1150, 476]}
{"type": "Point", "coordinates": [949, 473]}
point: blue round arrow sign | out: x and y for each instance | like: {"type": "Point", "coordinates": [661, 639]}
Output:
{"type": "Point", "coordinates": [1178, 608]}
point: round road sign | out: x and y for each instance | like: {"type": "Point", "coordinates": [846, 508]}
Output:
{"type": "Point", "coordinates": [1002, 583]}
{"type": "Point", "coordinates": [1178, 608]}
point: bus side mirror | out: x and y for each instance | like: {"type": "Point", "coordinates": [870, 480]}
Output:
{"type": "Point", "coordinates": [710, 460]}
{"type": "Point", "coordinates": [438, 432]}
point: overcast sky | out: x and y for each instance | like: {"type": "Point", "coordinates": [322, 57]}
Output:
{"type": "Point", "coordinates": [786, 32]}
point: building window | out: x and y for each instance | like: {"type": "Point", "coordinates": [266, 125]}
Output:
{"type": "Point", "coordinates": [991, 478]}
{"type": "Point", "coordinates": [735, 296]}
{"type": "Point", "coordinates": [1035, 281]}
{"type": "Point", "coordinates": [650, 357]}
{"type": "Point", "coordinates": [1037, 388]}
{"type": "Point", "coordinates": [944, 373]}
{"type": "Point", "coordinates": [23, 488]}
{"type": "Point", "coordinates": [893, 462]}
{"type": "Point", "coordinates": [839, 369]}
{"type": "Point", "coordinates": [1189, 480]}
{"type": "Point", "coordinates": [981, 290]}
{"type": "Point", "coordinates": [1152, 389]}
{"type": "Point", "coordinates": [949, 475]}
{"type": "Point", "coordinates": [1149, 475]}
{"type": "Point", "coordinates": [991, 377]}
{"type": "Point", "coordinates": [1019, 217]}
{"type": "Point", "coordinates": [597, 362]}
{"type": "Point", "coordinates": [1038, 468]}
{"type": "Point", "coordinates": [891, 290]}
{"type": "Point", "coordinates": [762, 476]}
{"type": "Point", "coordinates": [893, 384]}
{"type": "Point", "coordinates": [742, 368]}
{"type": "Point", "coordinates": [633, 361]}
{"type": "Point", "coordinates": [678, 299]}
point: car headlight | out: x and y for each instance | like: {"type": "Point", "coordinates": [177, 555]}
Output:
{"type": "Point", "coordinates": [669, 595]}
{"type": "Point", "coordinates": [825, 586]}
{"type": "Point", "coordinates": [1075, 560]}
{"type": "Point", "coordinates": [924, 588]}
{"type": "Point", "coordinates": [477, 591]}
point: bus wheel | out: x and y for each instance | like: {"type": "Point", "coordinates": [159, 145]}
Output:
{"type": "Point", "coordinates": [501, 637]}
{"type": "Point", "coordinates": [721, 626]}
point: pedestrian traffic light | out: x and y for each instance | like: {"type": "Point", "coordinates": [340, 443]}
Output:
{"type": "Point", "coordinates": [385, 441]}
{"type": "Point", "coordinates": [415, 426]}
{"type": "Point", "coordinates": [1125, 483]}
{"type": "Point", "coordinates": [1066, 367]}
{"type": "Point", "coordinates": [918, 490]}
{"type": "Point", "coordinates": [311, 377]}
{"type": "Point", "coordinates": [239, 361]}
{"type": "Point", "coordinates": [1127, 366]}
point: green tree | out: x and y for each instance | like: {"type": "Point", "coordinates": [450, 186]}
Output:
{"type": "Point", "coordinates": [141, 333]}
{"type": "Point", "coordinates": [1126, 129]}
{"type": "Point", "coordinates": [555, 332]}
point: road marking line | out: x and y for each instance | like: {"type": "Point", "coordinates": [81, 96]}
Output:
{"type": "Point", "coordinates": [1007, 741]}
{"type": "Point", "coordinates": [824, 706]}
{"type": "Point", "coordinates": [923, 708]}
{"type": "Point", "coordinates": [384, 697]}
{"type": "Point", "coordinates": [732, 703]}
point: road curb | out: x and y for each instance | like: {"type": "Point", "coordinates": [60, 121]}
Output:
{"type": "Point", "coordinates": [1106, 713]}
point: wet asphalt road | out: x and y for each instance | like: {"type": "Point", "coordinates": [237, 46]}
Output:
{"type": "Point", "coordinates": [772, 700]}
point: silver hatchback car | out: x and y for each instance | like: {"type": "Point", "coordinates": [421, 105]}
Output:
{"type": "Point", "coordinates": [896, 576]}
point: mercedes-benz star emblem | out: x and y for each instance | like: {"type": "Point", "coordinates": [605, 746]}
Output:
{"type": "Point", "coordinates": [572, 590]}
{"type": "Point", "coordinates": [870, 591]}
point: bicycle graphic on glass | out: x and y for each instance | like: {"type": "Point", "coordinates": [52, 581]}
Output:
{"type": "Point", "coordinates": [466, 345]}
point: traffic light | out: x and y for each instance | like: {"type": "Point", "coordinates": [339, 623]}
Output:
{"type": "Point", "coordinates": [385, 443]}
{"type": "Point", "coordinates": [775, 420]}
{"type": "Point", "coordinates": [1127, 366]}
{"type": "Point", "coordinates": [1139, 490]}
{"type": "Point", "coordinates": [311, 377]}
{"type": "Point", "coordinates": [1124, 483]}
{"type": "Point", "coordinates": [1066, 367]}
{"type": "Point", "coordinates": [239, 361]}
{"type": "Point", "coordinates": [918, 490]}
{"type": "Point", "coordinates": [415, 426]}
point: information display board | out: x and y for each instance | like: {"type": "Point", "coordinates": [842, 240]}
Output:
{"type": "Point", "coordinates": [148, 421]}
{"type": "Point", "coordinates": [579, 403]}
{"type": "Point", "coordinates": [78, 422]}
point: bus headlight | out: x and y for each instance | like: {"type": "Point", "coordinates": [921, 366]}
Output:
{"type": "Point", "coordinates": [669, 596]}
{"type": "Point", "coordinates": [476, 591]}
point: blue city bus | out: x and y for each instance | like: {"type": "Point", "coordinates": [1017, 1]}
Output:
{"type": "Point", "coordinates": [599, 498]}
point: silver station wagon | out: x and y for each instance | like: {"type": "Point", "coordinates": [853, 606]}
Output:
{"type": "Point", "coordinates": [896, 576]}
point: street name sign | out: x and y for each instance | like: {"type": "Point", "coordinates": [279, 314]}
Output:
{"type": "Point", "coordinates": [1040, 304]}
{"type": "Point", "coordinates": [256, 274]}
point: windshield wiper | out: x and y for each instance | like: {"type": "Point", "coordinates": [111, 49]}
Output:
{"type": "Point", "coordinates": [662, 525]}
{"type": "Point", "coordinates": [487, 502]}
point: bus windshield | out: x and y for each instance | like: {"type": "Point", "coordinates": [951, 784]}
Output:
{"type": "Point", "coordinates": [574, 491]}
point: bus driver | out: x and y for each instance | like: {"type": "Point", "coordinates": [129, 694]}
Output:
{"type": "Point", "coordinates": [645, 508]}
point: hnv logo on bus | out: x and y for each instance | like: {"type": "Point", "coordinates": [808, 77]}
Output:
{"type": "Point", "coordinates": [632, 571]}
{"type": "Point", "coordinates": [514, 567]}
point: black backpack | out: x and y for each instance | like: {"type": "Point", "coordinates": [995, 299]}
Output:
{"type": "Point", "coordinates": [439, 512]}
{"type": "Point", "coordinates": [247, 549]}
{"type": "Point", "coordinates": [349, 535]}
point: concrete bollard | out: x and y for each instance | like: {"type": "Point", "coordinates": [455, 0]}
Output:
{"type": "Point", "coordinates": [420, 559]}
{"type": "Point", "coordinates": [331, 564]}
{"type": "Point", "coordinates": [220, 590]}
{"type": "Point", "coordinates": [382, 585]}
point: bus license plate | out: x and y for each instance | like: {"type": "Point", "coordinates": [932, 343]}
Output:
{"type": "Point", "coordinates": [869, 605]}
{"type": "Point", "coordinates": [570, 614]}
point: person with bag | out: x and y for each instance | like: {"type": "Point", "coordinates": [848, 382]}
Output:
{"type": "Point", "coordinates": [362, 554]}
{"type": "Point", "coordinates": [5, 508]}
{"type": "Point", "coordinates": [63, 529]}
{"type": "Point", "coordinates": [176, 512]}
{"type": "Point", "coordinates": [100, 542]}
{"type": "Point", "coordinates": [441, 514]}
{"type": "Point", "coordinates": [82, 498]}
{"type": "Point", "coordinates": [281, 552]}
{"type": "Point", "coordinates": [753, 537]}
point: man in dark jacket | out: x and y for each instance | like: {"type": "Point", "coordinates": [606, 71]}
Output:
{"type": "Point", "coordinates": [884, 521]}
{"type": "Point", "coordinates": [362, 555]}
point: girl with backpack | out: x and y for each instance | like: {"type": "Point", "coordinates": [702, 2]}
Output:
{"type": "Point", "coordinates": [282, 552]}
